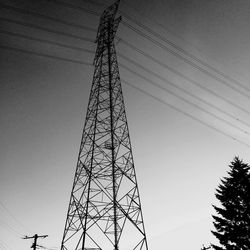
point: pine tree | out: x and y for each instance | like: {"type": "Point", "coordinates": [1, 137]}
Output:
{"type": "Point", "coordinates": [232, 222]}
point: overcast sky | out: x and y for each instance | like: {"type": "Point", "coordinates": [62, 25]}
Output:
{"type": "Point", "coordinates": [186, 121]}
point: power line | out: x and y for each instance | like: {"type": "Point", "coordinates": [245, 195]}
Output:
{"type": "Point", "coordinates": [66, 46]}
{"type": "Point", "coordinates": [12, 216]}
{"type": "Point", "coordinates": [166, 48]}
{"type": "Point", "coordinates": [75, 7]}
{"type": "Point", "coordinates": [171, 51]}
{"type": "Point", "coordinates": [178, 36]}
{"type": "Point", "coordinates": [44, 55]}
{"type": "Point", "coordinates": [10, 228]}
{"type": "Point", "coordinates": [45, 29]}
{"type": "Point", "coordinates": [177, 109]}
{"type": "Point", "coordinates": [29, 12]}
{"type": "Point", "coordinates": [126, 43]}
{"type": "Point", "coordinates": [182, 89]}
{"type": "Point", "coordinates": [4, 245]}
{"type": "Point", "coordinates": [95, 3]}
{"type": "Point", "coordinates": [159, 24]}
{"type": "Point", "coordinates": [46, 41]}
{"type": "Point", "coordinates": [186, 114]}
{"type": "Point", "coordinates": [50, 248]}
{"type": "Point", "coordinates": [160, 45]}
{"type": "Point", "coordinates": [186, 78]}
{"type": "Point", "coordinates": [131, 61]}
{"type": "Point", "coordinates": [184, 100]}
{"type": "Point", "coordinates": [187, 54]}
{"type": "Point", "coordinates": [157, 85]}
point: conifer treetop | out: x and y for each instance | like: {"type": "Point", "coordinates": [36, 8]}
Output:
{"type": "Point", "coordinates": [232, 219]}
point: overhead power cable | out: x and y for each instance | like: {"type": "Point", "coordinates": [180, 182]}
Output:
{"type": "Point", "coordinates": [166, 48]}
{"type": "Point", "coordinates": [46, 41]}
{"type": "Point", "coordinates": [183, 99]}
{"type": "Point", "coordinates": [194, 65]}
{"type": "Point", "coordinates": [127, 4]}
{"type": "Point", "coordinates": [144, 15]}
{"type": "Point", "coordinates": [185, 52]}
{"type": "Point", "coordinates": [75, 7]}
{"type": "Point", "coordinates": [169, 50]}
{"type": "Point", "coordinates": [186, 114]}
{"type": "Point", "coordinates": [4, 245]}
{"type": "Point", "coordinates": [34, 26]}
{"type": "Point", "coordinates": [136, 64]}
{"type": "Point", "coordinates": [9, 228]}
{"type": "Point", "coordinates": [29, 12]}
{"type": "Point", "coordinates": [12, 216]}
{"type": "Point", "coordinates": [156, 98]}
{"type": "Point", "coordinates": [131, 61]}
{"type": "Point", "coordinates": [228, 101]}
{"type": "Point", "coordinates": [45, 55]}
{"type": "Point", "coordinates": [182, 90]}
{"type": "Point", "coordinates": [95, 3]}
{"type": "Point", "coordinates": [126, 43]}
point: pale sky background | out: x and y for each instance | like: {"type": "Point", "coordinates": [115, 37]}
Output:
{"type": "Point", "coordinates": [180, 151]}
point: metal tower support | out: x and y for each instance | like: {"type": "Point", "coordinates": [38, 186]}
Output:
{"type": "Point", "coordinates": [104, 212]}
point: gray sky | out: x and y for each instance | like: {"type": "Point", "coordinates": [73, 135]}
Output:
{"type": "Point", "coordinates": [181, 145]}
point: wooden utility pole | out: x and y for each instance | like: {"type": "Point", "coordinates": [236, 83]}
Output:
{"type": "Point", "coordinates": [35, 237]}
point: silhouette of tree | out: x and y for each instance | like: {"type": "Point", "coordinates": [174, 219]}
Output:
{"type": "Point", "coordinates": [232, 222]}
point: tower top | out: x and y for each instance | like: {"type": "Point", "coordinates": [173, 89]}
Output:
{"type": "Point", "coordinates": [111, 11]}
{"type": "Point", "coordinates": [107, 28]}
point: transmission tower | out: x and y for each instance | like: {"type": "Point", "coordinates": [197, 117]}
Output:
{"type": "Point", "coordinates": [104, 212]}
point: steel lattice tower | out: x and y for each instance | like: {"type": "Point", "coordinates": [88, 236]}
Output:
{"type": "Point", "coordinates": [105, 209]}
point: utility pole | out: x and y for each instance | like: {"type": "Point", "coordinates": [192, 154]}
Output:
{"type": "Point", "coordinates": [35, 237]}
{"type": "Point", "coordinates": [105, 211]}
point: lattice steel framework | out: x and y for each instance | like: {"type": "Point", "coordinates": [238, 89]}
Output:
{"type": "Point", "coordinates": [105, 210]}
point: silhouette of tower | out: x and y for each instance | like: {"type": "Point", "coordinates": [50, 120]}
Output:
{"type": "Point", "coordinates": [105, 209]}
